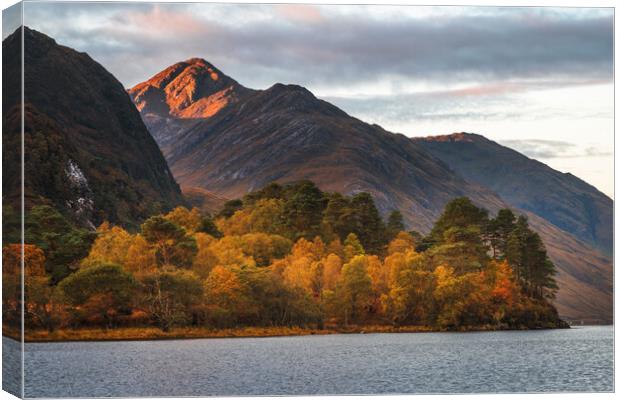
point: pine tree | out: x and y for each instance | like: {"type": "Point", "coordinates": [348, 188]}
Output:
{"type": "Point", "coordinates": [395, 224]}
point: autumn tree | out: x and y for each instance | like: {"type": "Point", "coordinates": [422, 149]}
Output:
{"type": "Point", "coordinates": [193, 221]}
{"type": "Point", "coordinates": [262, 216]}
{"type": "Point", "coordinates": [171, 243]}
{"type": "Point", "coordinates": [228, 300]}
{"type": "Point", "coordinates": [43, 304]}
{"type": "Point", "coordinates": [110, 246]}
{"type": "Point", "coordinates": [275, 303]}
{"type": "Point", "coordinates": [332, 268]}
{"type": "Point", "coordinates": [354, 291]}
{"type": "Point", "coordinates": [352, 247]}
{"type": "Point", "coordinates": [410, 298]}
{"type": "Point", "coordinates": [401, 243]}
{"type": "Point", "coordinates": [505, 292]}
{"type": "Point", "coordinates": [228, 251]}
{"type": "Point", "coordinates": [34, 277]}
{"type": "Point", "coordinates": [461, 300]}
{"type": "Point", "coordinates": [141, 256]}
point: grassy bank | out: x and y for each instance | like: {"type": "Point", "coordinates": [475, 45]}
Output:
{"type": "Point", "coordinates": [149, 333]}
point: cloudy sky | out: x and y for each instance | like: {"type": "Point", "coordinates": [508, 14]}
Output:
{"type": "Point", "coordinates": [539, 80]}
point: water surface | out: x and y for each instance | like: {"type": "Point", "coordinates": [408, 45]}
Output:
{"type": "Point", "coordinates": [579, 359]}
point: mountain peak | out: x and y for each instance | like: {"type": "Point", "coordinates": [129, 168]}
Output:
{"type": "Point", "coordinates": [37, 42]}
{"type": "Point", "coordinates": [193, 88]}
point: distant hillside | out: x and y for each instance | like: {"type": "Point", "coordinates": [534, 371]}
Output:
{"type": "Point", "coordinates": [205, 201]}
{"type": "Point", "coordinates": [87, 150]}
{"type": "Point", "coordinates": [561, 198]}
{"type": "Point", "coordinates": [286, 134]}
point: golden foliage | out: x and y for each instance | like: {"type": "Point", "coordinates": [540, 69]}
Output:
{"type": "Point", "coordinates": [191, 220]}
{"type": "Point", "coordinates": [111, 245]}
{"type": "Point", "coordinates": [260, 217]}
{"type": "Point", "coordinates": [140, 256]}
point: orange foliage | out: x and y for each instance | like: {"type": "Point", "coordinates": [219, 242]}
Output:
{"type": "Point", "coordinates": [401, 243]}
{"type": "Point", "coordinates": [34, 260]}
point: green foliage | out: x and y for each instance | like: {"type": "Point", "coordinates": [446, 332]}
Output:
{"type": "Point", "coordinates": [11, 225]}
{"type": "Point", "coordinates": [208, 226]}
{"type": "Point", "coordinates": [173, 245]}
{"type": "Point", "coordinates": [367, 223]}
{"type": "Point", "coordinates": [265, 248]}
{"type": "Point", "coordinates": [394, 224]}
{"type": "Point", "coordinates": [303, 210]}
{"type": "Point", "coordinates": [336, 216]}
{"type": "Point", "coordinates": [169, 296]}
{"type": "Point", "coordinates": [230, 207]}
{"type": "Point", "coordinates": [461, 248]}
{"type": "Point", "coordinates": [458, 213]}
{"type": "Point", "coordinates": [64, 244]}
{"type": "Point", "coordinates": [526, 252]}
{"type": "Point", "coordinates": [271, 191]}
{"type": "Point", "coordinates": [499, 230]}
{"type": "Point", "coordinates": [103, 289]}
{"type": "Point", "coordinates": [43, 302]}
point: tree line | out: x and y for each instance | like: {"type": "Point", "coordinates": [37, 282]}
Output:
{"type": "Point", "coordinates": [285, 255]}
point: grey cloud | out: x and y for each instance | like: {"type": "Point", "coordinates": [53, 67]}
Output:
{"type": "Point", "coordinates": [11, 19]}
{"type": "Point", "coordinates": [545, 149]}
{"type": "Point", "coordinates": [430, 106]}
{"type": "Point", "coordinates": [345, 49]}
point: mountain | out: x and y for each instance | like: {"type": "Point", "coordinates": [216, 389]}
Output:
{"type": "Point", "coordinates": [87, 151]}
{"type": "Point", "coordinates": [182, 95]}
{"type": "Point", "coordinates": [285, 133]}
{"type": "Point", "coordinates": [561, 198]}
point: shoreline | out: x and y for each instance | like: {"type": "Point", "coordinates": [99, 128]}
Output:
{"type": "Point", "coordinates": [153, 334]}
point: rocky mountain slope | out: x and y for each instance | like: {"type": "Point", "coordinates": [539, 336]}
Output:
{"type": "Point", "coordinates": [87, 150]}
{"type": "Point", "coordinates": [561, 198]}
{"type": "Point", "coordinates": [285, 133]}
